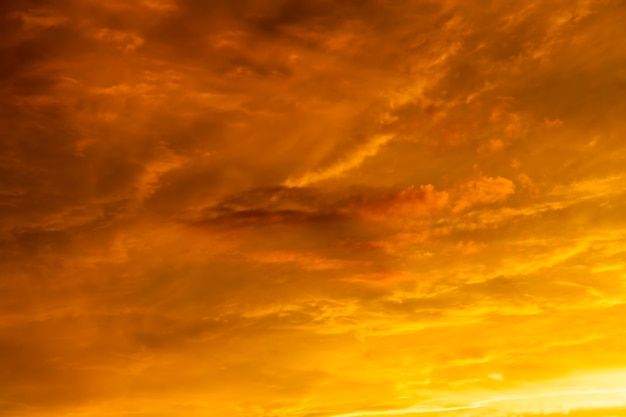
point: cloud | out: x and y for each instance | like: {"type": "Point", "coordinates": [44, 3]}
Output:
{"type": "Point", "coordinates": [409, 202]}
{"type": "Point", "coordinates": [350, 162]}
{"type": "Point", "coordinates": [484, 190]}
{"type": "Point", "coordinates": [287, 208]}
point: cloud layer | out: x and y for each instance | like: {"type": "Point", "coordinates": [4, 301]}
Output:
{"type": "Point", "coordinates": [312, 208]}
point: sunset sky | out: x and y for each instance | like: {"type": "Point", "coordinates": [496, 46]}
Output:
{"type": "Point", "coordinates": [312, 208]}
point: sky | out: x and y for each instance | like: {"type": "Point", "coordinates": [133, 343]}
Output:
{"type": "Point", "coordinates": [289, 208]}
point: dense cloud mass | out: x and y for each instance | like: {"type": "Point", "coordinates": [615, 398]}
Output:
{"type": "Point", "coordinates": [290, 208]}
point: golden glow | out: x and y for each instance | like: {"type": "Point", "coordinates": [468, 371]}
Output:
{"type": "Point", "coordinates": [312, 208]}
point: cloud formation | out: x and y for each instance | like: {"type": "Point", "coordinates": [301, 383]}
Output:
{"type": "Point", "coordinates": [311, 208]}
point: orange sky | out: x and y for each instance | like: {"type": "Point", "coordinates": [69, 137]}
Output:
{"type": "Point", "coordinates": [290, 208]}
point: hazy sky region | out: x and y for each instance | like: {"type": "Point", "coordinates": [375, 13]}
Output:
{"type": "Point", "coordinates": [312, 208]}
